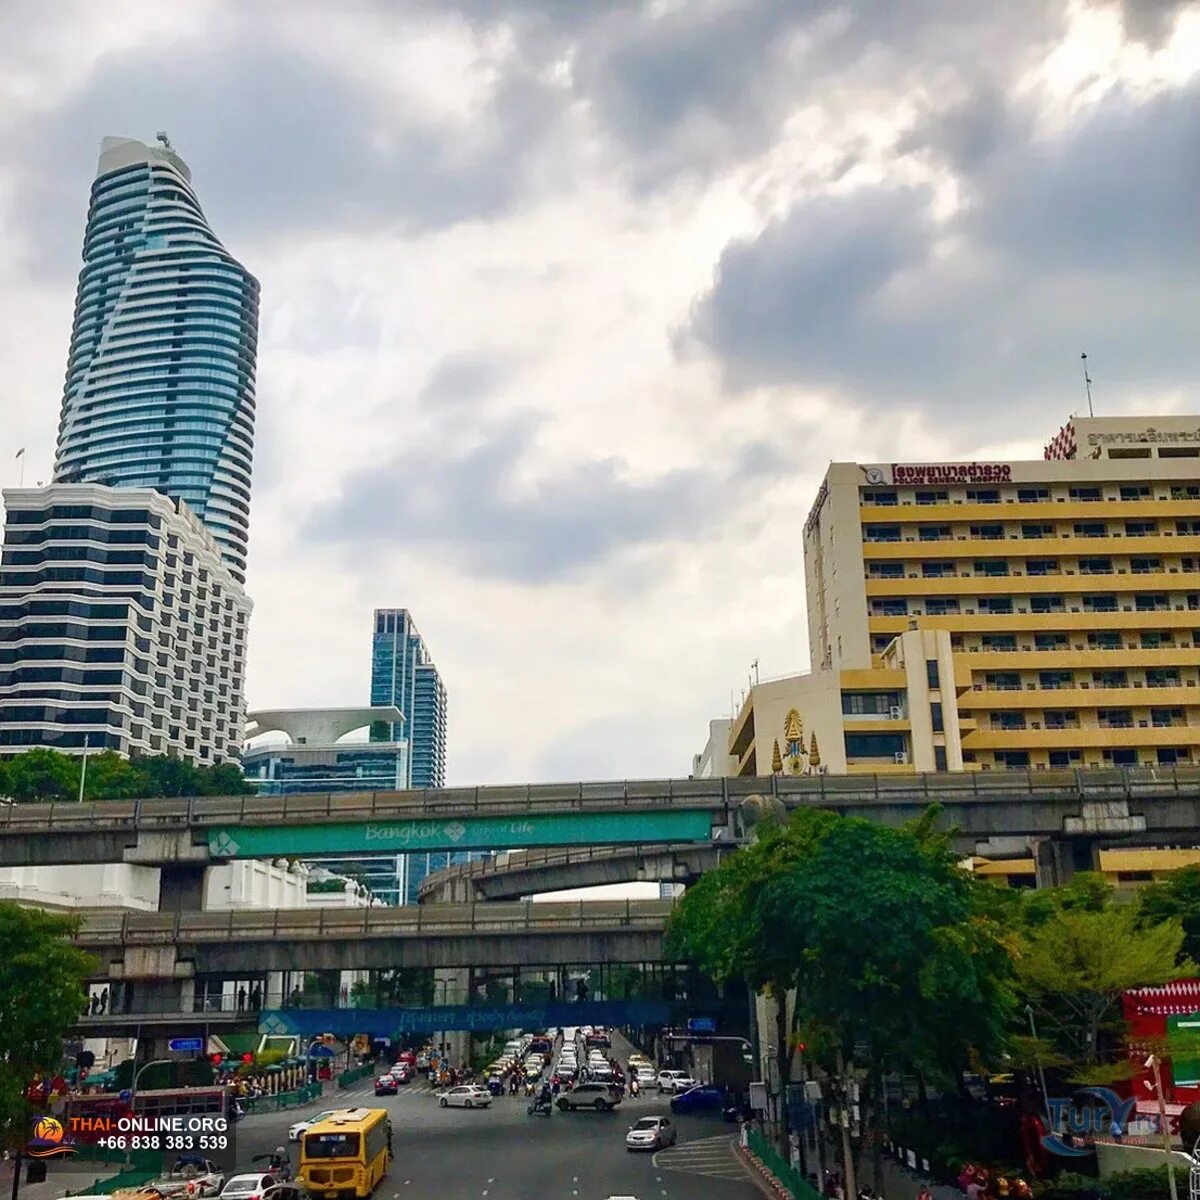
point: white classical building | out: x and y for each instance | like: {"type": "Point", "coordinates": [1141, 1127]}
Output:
{"type": "Point", "coordinates": [249, 884]}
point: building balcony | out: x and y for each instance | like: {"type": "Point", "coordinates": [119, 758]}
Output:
{"type": "Point", "coordinates": [952, 510]}
{"type": "Point", "coordinates": [1013, 545]}
{"type": "Point", "coordinates": [1068, 581]}
{"type": "Point", "coordinates": [982, 698]}
{"type": "Point", "coordinates": [1086, 737]}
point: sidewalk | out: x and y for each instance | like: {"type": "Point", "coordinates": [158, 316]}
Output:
{"type": "Point", "coordinates": [61, 1177]}
{"type": "Point", "coordinates": [900, 1183]}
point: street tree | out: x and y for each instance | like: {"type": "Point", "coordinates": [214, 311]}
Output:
{"type": "Point", "coordinates": [891, 950]}
{"type": "Point", "coordinates": [41, 775]}
{"type": "Point", "coordinates": [42, 977]}
{"type": "Point", "coordinates": [1175, 898]}
{"type": "Point", "coordinates": [1074, 962]}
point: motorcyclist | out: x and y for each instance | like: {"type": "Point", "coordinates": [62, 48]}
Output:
{"type": "Point", "coordinates": [280, 1163]}
{"type": "Point", "coordinates": [545, 1096]}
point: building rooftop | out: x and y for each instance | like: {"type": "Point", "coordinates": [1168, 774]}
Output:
{"type": "Point", "coordinates": [318, 726]}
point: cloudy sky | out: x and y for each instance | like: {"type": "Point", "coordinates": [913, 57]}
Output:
{"type": "Point", "coordinates": [568, 303]}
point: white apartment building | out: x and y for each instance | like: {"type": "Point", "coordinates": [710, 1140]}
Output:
{"type": "Point", "coordinates": [121, 627]}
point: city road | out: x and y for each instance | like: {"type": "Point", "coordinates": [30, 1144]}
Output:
{"type": "Point", "coordinates": [503, 1154]}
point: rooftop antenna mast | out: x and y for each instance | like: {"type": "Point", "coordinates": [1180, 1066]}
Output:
{"type": "Point", "coordinates": [1087, 383]}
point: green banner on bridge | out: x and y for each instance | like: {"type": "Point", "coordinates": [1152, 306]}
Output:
{"type": "Point", "coordinates": [460, 833]}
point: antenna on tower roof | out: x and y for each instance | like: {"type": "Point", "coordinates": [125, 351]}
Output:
{"type": "Point", "coordinates": [1087, 383]}
{"type": "Point", "coordinates": [161, 136]}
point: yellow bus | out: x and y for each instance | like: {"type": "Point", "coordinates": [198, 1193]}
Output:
{"type": "Point", "coordinates": [345, 1156]}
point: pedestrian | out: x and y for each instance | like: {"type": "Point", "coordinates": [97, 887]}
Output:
{"type": "Point", "coordinates": [256, 997]}
{"type": "Point", "coordinates": [241, 999]}
{"type": "Point", "coordinates": [633, 1086]}
{"type": "Point", "coordinates": [104, 1000]}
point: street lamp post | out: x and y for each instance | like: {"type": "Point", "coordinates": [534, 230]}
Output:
{"type": "Point", "coordinates": [1153, 1063]}
{"type": "Point", "coordinates": [1037, 1058]}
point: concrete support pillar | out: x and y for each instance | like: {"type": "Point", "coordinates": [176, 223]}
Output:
{"type": "Point", "coordinates": [181, 887]}
{"type": "Point", "coordinates": [1057, 860]}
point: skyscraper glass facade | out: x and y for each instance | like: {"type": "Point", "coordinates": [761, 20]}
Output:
{"type": "Point", "coordinates": [403, 674]}
{"type": "Point", "coordinates": [159, 388]}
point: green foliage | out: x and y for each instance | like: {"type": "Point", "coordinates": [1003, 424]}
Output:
{"type": "Point", "coordinates": [1069, 1186]}
{"type": "Point", "coordinates": [38, 776]}
{"type": "Point", "coordinates": [41, 775]}
{"type": "Point", "coordinates": [1176, 898]}
{"type": "Point", "coordinates": [326, 886]}
{"type": "Point", "coordinates": [1145, 1183]}
{"type": "Point", "coordinates": [42, 979]}
{"type": "Point", "coordinates": [886, 941]}
{"type": "Point", "coordinates": [1074, 964]}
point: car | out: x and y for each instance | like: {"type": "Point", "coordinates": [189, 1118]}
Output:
{"type": "Point", "coordinates": [288, 1190]}
{"type": "Point", "coordinates": [249, 1187]}
{"type": "Point", "coordinates": [299, 1128]}
{"type": "Point", "coordinates": [190, 1175]}
{"type": "Point", "coordinates": [645, 1075]}
{"type": "Point", "coordinates": [386, 1085]}
{"type": "Point", "coordinates": [602, 1097]}
{"type": "Point", "coordinates": [402, 1072]}
{"type": "Point", "coordinates": [466, 1095]}
{"type": "Point", "coordinates": [651, 1133]}
{"type": "Point", "coordinates": [675, 1081]}
{"type": "Point", "coordinates": [704, 1097]}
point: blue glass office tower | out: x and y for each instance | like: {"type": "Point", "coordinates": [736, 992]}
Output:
{"type": "Point", "coordinates": [160, 377]}
{"type": "Point", "coordinates": [403, 674]}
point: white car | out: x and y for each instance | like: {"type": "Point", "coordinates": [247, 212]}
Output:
{"type": "Point", "coordinates": [650, 1133]}
{"type": "Point", "coordinates": [465, 1096]}
{"type": "Point", "coordinates": [299, 1128]}
{"type": "Point", "coordinates": [190, 1176]}
{"type": "Point", "coordinates": [645, 1076]}
{"type": "Point", "coordinates": [249, 1187]}
{"type": "Point", "coordinates": [676, 1081]}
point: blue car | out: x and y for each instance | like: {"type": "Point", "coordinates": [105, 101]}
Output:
{"type": "Point", "coordinates": [707, 1097]}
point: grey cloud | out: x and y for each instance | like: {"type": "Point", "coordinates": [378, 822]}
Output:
{"type": "Point", "coordinates": [282, 141]}
{"type": "Point", "coordinates": [468, 378]}
{"type": "Point", "coordinates": [1085, 242]}
{"type": "Point", "coordinates": [1150, 21]}
{"type": "Point", "coordinates": [740, 69]}
{"type": "Point", "coordinates": [471, 504]}
{"type": "Point", "coordinates": [966, 134]}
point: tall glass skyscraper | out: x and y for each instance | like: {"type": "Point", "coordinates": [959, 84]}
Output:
{"type": "Point", "coordinates": [403, 674]}
{"type": "Point", "coordinates": [160, 378]}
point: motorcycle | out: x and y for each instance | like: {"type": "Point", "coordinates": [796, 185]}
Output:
{"type": "Point", "coordinates": [540, 1108]}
